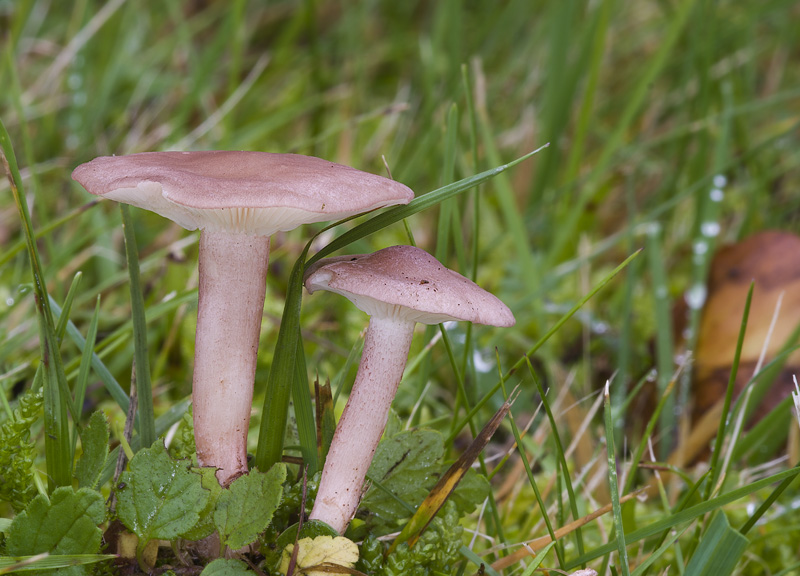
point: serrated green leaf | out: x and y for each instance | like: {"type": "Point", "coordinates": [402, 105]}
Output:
{"type": "Point", "coordinates": [222, 567]}
{"type": "Point", "coordinates": [719, 551]}
{"type": "Point", "coordinates": [245, 508]}
{"type": "Point", "coordinates": [66, 524]}
{"type": "Point", "coordinates": [405, 466]}
{"type": "Point", "coordinates": [94, 442]}
{"type": "Point", "coordinates": [160, 497]}
{"type": "Point", "coordinates": [205, 525]}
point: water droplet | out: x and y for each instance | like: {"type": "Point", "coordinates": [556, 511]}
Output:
{"type": "Point", "coordinates": [481, 365]}
{"type": "Point", "coordinates": [695, 296]}
{"type": "Point", "coordinates": [652, 375]}
{"type": "Point", "coordinates": [700, 247]}
{"type": "Point", "coordinates": [74, 81]}
{"type": "Point", "coordinates": [720, 181]}
{"type": "Point", "coordinates": [661, 292]}
{"type": "Point", "coordinates": [710, 229]}
{"type": "Point", "coordinates": [9, 301]}
{"type": "Point", "coordinates": [717, 195]}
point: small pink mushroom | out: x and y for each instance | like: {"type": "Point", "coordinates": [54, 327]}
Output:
{"type": "Point", "coordinates": [397, 287]}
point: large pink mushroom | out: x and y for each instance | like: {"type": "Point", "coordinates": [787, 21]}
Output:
{"type": "Point", "coordinates": [238, 200]}
{"type": "Point", "coordinates": [398, 287]}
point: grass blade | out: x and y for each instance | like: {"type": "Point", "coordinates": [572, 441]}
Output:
{"type": "Point", "coordinates": [304, 412]}
{"type": "Point", "coordinates": [86, 366]}
{"type": "Point", "coordinates": [419, 204]}
{"type": "Point", "coordinates": [58, 451]}
{"type": "Point", "coordinates": [719, 550]}
{"type": "Point", "coordinates": [282, 374]}
{"type": "Point", "coordinates": [614, 485]}
{"type": "Point", "coordinates": [147, 428]}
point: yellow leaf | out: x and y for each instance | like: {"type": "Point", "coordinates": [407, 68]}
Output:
{"type": "Point", "coordinates": [319, 556]}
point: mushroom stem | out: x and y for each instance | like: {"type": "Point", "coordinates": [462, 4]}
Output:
{"type": "Point", "coordinates": [232, 286]}
{"type": "Point", "coordinates": [383, 360]}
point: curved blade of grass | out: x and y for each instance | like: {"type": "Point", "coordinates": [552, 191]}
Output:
{"type": "Point", "coordinates": [282, 374]}
{"type": "Point", "coordinates": [57, 440]}
{"type": "Point", "coordinates": [146, 419]}
{"type": "Point", "coordinates": [424, 202]}
{"type": "Point", "coordinates": [686, 515]}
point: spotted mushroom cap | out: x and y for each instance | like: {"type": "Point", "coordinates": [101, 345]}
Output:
{"type": "Point", "coordinates": [407, 282]}
{"type": "Point", "coordinates": [239, 192]}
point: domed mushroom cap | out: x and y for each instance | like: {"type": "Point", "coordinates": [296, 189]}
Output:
{"type": "Point", "coordinates": [239, 192]}
{"type": "Point", "coordinates": [407, 282]}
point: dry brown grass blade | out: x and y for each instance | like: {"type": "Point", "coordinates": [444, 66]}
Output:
{"type": "Point", "coordinates": [530, 547]}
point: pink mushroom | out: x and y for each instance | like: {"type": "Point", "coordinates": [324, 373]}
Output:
{"type": "Point", "coordinates": [397, 287]}
{"type": "Point", "coordinates": [238, 200]}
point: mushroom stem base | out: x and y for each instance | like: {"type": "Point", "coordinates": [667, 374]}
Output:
{"type": "Point", "coordinates": [383, 360]}
{"type": "Point", "coordinates": [233, 270]}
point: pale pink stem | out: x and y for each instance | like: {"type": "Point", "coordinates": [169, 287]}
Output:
{"type": "Point", "coordinates": [383, 360]}
{"type": "Point", "coordinates": [232, 286]}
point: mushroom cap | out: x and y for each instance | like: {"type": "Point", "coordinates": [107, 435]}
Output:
{"type": "Point", "coordinates": [256, 193]}
{"type": "Point", "coordinates": [409, 283]}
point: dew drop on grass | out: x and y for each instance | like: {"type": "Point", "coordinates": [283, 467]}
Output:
{"type": "Point", "coordinates": [717, 195]}
{"type": "Point", "coordinates": [700, 247]}
{"type": "Point", "coordinates": [695, 296]}
{"type": "Point", "coordinates": [9, 302]}
{"type": "Point", "coordinates": [481, 365]}
{"type": "Point", "coordinates": [710, 229]}
{"type": "Point", "coordinates": [720, 181]}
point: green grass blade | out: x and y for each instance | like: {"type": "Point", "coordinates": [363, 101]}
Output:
{"type": "Point", "coordinates": [419, 204]}
{"type": "Point", "coordinates": [61, 326]}
{"type": "Point", "coordinates": [304, 412]}
{"type": "Point", "coordinates": [86, 365]}
{"type": "Point", "coordinates": [715, 454]}
{"type": "Point", "coordinates": [146, 418]}
{"type": "Point", "coordinates": [719, 550]}
{"type": "Point", "coordinates": [57, 440]}
{"type": "Point", "coordinates": [665, 356]}
{"type": "Point", "coordinates": [613, 485]}
{"type": "Point", "coordinates": [283, 372]}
